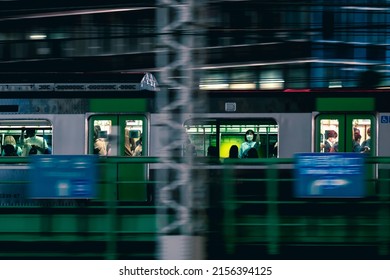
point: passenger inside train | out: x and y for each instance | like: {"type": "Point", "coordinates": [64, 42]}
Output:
{"type": "Point", "coordinates": [356, 141]}
{"type": "Point", "coordinates": [133, 142]}
{"type": "Point", "coordinates": [99, 146]}
{"type": "Point", "coordinates": [249, 143]}
{"type": "Point", "coordinates": [329, 144]}
{"type": "Point", "coordinates": [9, 148]}
{"type": "Point", "coordinates": [138, 147]}
{"type": "Point", "coordinates": [366, 145]}
{"type": "Point", "coordinates": [33, 144]}
{"type": "Point", "coordinates": [233, 152]}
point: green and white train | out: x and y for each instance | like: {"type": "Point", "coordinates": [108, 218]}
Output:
{"type": "Point", "coordinates": [248, 206]}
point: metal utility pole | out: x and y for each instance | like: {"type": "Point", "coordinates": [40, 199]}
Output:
{"type": "Point", "coordinates": [179, 34]}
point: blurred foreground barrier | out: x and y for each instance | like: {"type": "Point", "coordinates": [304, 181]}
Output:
{"type": "Point", "coordinates": [247, 209]}
{"type": "Point", "coordinates": [264, 218]}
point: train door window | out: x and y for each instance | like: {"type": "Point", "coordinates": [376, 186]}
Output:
{"type": "Point", "coordinates": [360, 129]}
{"type": "Point", "coordinates": [329, 135]}
{"type": "Point", "coordinates": [117, 135]}
{"type": "Point", "coordinates": [344, 133]}
{"type": "Point", "coordinates": [133, 130]}
{"type": "Point", "coordinates": [25, 137]}
{"type": "Point", "coordinates": [102, 142]}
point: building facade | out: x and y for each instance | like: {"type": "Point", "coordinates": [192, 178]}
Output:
{"type": "Point", "coordinates": [249, 44]}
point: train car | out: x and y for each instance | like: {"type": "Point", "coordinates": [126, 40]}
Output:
{"type": "Point", "coordinates": [77, 116]}
{"type": "Point", "coordinates": [67, 109]}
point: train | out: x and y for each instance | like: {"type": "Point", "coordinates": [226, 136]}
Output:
{"type": "Point", "coordinates": [251, 202]}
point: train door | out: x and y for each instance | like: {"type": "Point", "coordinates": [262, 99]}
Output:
{"type": "Point", "coordinates": [345, 133]}
{"type": "Point", "coordinates": [353, 133]}
{"type": "Point", "coordinates": [121, 135]}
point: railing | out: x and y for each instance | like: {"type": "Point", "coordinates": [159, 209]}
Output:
{"type": "Point", "coordinates": [100, 228]}
{"type": "Point", "coordinates": [251, 213]}
{"type": "Point", "coordinates": [263, 219]}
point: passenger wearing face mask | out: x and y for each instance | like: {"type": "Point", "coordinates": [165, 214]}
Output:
{"type": "Point", "coordinates": [249, 143]}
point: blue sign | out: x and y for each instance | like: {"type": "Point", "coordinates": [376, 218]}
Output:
{"type": "Point", "coordinates": [68, 177]}
{"type": "Point", "coordinates": [385, 119]}
{"type": "Point", "coordinates": [330, 175]}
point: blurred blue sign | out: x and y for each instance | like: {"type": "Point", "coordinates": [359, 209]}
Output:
{"type": "Point", "coordinates": [68, 177]}
{"type": "Point", "coordinates": [329, 175]}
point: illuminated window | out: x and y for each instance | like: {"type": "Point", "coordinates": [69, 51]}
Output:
{"type": "Point", "coordinates": [25, 137]}
{"type": "Point", "coordinates": [271, 79]}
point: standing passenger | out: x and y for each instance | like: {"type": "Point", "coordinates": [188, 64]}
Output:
{"type": "Point", "coordinates": [330, 142]}
{"type": "Point", "coordinates": [129, 143]}
{"type": "Point", "coordinates": [212, 152]}
{"type": "Point", "coordinates": [190, 149]}
{"type": "Point", "coordinates": [34, 144]}
{"type": "Point", "coordinates": [356, 142]}
{"type": "Point", "coordinates": [366, 145]}
{"type": "Point", "coordinates": [138, 148]}
{"type": "Point", "coordinates": [252, 153]}
{"type": "Point", "coordinates": [233, 152]}
{"type": "Point", "coordinates": [10, 148]}
{"type": "Point", "coordinates": [249, 143]}
{"type": "Point", "coordinates": [99, 145]}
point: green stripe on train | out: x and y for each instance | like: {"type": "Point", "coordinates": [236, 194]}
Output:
{"type": "Point", "coordinates": [118, 105]}
{"type": "Point", "coordinates": [345, 104]}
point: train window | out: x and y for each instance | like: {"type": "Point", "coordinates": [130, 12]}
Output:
{"type": "Point", "coordinates": [234, 134]}
{"type": "Point", "coordinates": [223, 134]}
{"type": "Point", "coordinates": [329, 135]}
{"type": "Point", "coordinates": [344, 133]}
{"type": "Point", "coordinates": [214, 80]}
{"type": "Point", "coordinates": [133, 138]}
{"type": "Point", "coordinates": [103, 132]}
{"type": "Point", "coordinates": [201, 137]}
{"type": "Point", "coordinates": [117, 135]}
{"type": "Point", "coordinates": [361, 135]}
{"type": "Point", "coordinates": [25, 137]}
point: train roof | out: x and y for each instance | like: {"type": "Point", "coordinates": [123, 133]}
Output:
{"type": "Point", "coordinates": [347, 92]}
{"type": "Point", "coordinates": [80, 81]}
